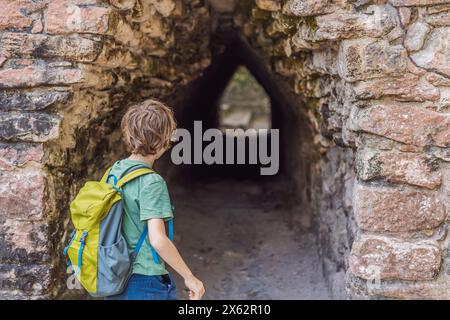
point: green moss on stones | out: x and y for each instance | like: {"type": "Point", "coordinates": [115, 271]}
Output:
{"type": "Point", "coordinates": [279, 48]}
{"type": "Point", "coordinates": [311, 23]}
{"type": "Point", "coordinates": [113, 21]}
{"type": "Point", "coordinates": [288, 25]}
{"type": "Point", "coordinates": [152, 68]}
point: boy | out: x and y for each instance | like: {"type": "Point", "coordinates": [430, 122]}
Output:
{"type": "Point", "coordinates": [147, 129]}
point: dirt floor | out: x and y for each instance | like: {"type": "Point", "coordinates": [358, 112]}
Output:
{"type": "Point", "coordinates": [245, 240]}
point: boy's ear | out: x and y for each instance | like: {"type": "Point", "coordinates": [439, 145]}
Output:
{"type": "Point", "coordinates": [174, 137]}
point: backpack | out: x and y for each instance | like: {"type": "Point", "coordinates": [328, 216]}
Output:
{"type": "Point", "coordinates": [97, 250]}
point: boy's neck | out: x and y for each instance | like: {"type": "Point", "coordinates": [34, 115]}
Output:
{"type": "Point", "coordinates": [150, 159]}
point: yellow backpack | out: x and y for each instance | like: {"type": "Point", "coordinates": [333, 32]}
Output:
{"type": "Point", "coordinates": [97, 251]}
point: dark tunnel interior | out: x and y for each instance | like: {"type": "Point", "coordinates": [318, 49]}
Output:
{"type": "Point", "coordinates": [247, 235]}
{"type": "Point", "coordinates": [200, 99]}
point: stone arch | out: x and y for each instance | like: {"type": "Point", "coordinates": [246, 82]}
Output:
{"type": "Point", "coordinates": [369, 81]}
{"type": "Point", "coordinates": [198, 100]}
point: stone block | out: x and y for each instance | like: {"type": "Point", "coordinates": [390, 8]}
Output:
{"type": "Point", "coordinates": [399, 167]}
{"type": "Point", "coordinates": [410, 3]}
{"type": "Point", "coordinates": [305, 8]}
{"type": "Point", "coordinates": [384, 258]}
{"type": "Point", "coordinates": [435, 55]}
{"type": "Point", "coordinates": [405, 87]}
{"type": "Point", "coordinates": [269, 5]}
{"type": "Point", "coordinates": [38, 99]}
{"type": "Point", "coordinates": [69, 16]}
{"type": "Point", "coordinates": [416, 35]}
{"type": "Point", "coordinates": [14, 155]}
{"type": "Point", "coordinates": [32, 279]}
{"type": "Point", "coordinates": [404, 123]}
{"type": "Point", "coordinates": [26, 73]}
{"type": "Point", "coordinates": [68, 47]}
{"type": "Point", "coordinates": [24, 242]}
{"type": "Point", "coordinates": [339, 25]}
{"type": "Point", "coordinates": [29, 126]}
{"type": "Point", "coordinates": [22, 194]}
{"type": "Point", "coordinates": [16, 14]}
{"type": "Point", "coordinates": [396, 209]}
{"type": "Point", "coordinates": [365, 59]}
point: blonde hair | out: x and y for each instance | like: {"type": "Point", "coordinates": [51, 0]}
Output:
{"type": "Point", "coordinates": [147, 127]}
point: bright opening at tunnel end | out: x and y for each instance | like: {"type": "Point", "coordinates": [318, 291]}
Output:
{"type": "Point", "coordinates": [251, 146]}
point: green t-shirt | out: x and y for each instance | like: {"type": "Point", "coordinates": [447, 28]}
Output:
{"type": "Point", "coordinates": [143, 198]}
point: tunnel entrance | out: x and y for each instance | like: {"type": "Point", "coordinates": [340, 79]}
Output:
{"type": "Point", "coordinates": [205, 99]}
{"type": "Point", "coordinates": [359, 102]}
{"type": "Point", "coordinates": [250, 236]}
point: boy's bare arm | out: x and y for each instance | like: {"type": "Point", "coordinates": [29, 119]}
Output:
{"type": "Point", "coordinates": [167, 250]}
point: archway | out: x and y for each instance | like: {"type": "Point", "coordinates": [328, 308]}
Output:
{"type": "Point", "coordinates": [249, 235]}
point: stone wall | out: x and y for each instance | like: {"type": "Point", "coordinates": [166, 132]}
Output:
{"type": "Point", "coordinates": [374, 78]}
{"type": "Point", "coordinates": [68, 69]}
{"type": "Point", "coordinates": [373, 84]}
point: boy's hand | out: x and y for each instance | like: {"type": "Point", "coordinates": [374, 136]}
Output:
{"type": "Point", "coordinates": [167, 250]}
{"type": "Point", "coordinates": [195, 286]}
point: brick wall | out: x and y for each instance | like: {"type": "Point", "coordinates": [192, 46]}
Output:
{"type": "Point", "coordinates": [68, 68]}
{"type": "Point", "coordinates": [376, 79]}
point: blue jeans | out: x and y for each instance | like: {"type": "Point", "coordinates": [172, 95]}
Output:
{"type": "Point", "coordinates": [143, 287]}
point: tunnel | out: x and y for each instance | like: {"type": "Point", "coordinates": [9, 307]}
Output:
{"type": "Point", "coordinates": [248, 235]}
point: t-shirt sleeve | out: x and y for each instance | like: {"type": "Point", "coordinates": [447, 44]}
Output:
{"type": "Point", "coordinates": [154, 201]}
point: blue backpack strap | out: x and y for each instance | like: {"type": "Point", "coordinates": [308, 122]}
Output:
{"type": "Point", "coordinates": [171, 229]}
{"type": "Point", "coordinates": [114, 179]}
{"type": "Point", "coordinates": [142, 239]}
{"type": "Point", "coordinates": [72, 236]}
{"type": "Point", "coordinates": [66, 249]}
{"type": "Point", "coordinates": [80, 251]}
{"type": "Point", "coordinates": [139, 245]}
{"type": "Point", "coordinates": [154, 253]}
{"type": "Point", "coordinates": [106, 174]}
{"type": "Point", "coordinates": [140, 242]}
